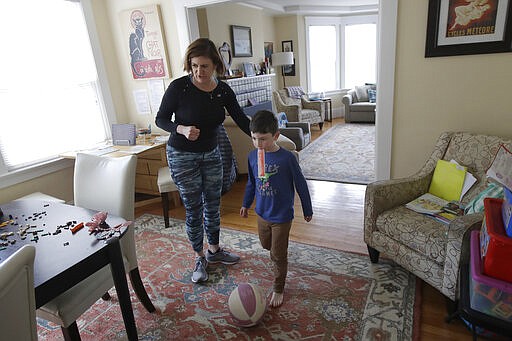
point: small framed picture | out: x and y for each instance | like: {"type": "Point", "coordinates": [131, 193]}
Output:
{"type": "Point", "coordinates": [287, 45]}
{"type": "Point", "coordinates": [249, 69]}
{"type": "Point", "coordinates": [241, 41]}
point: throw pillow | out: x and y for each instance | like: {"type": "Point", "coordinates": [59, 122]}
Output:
{"type": "Point", "coordinates": [282, 120]}
{"type": "Point", "coordinates": [476, 205]}
{"type": "Point", "coordinates": [362, 93]}
{"type": "Point", "coordinates": [372, 95]}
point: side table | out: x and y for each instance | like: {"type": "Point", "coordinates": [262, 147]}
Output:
{"type": "Point", "coordinates": [328, 102]}
{"type": "Point", "coordinates": [328, 105]}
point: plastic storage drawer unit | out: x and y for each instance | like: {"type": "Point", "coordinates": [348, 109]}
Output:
{"type": "Point", "coordinates": [495, 245]}
{"type": "Point", "coordinates": [488, 295]}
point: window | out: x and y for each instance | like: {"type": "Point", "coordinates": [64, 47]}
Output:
{"type": "Point", "coordinates": [342, 52]}
{"type": "Point", "coordinates": [50, 98]}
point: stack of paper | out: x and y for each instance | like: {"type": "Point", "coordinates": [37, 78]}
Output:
{"type": "Point", "coordinates": [450, 180]}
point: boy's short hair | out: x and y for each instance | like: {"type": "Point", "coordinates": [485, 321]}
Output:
{"type": "Point", "coordinates": [263, 122]}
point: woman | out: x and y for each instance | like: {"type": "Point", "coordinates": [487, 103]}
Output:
{"type": "Point", "coordinates": [198, 102]}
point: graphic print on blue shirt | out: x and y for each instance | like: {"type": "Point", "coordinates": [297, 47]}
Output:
{"type": "Point", "coordinates": [264, 186]}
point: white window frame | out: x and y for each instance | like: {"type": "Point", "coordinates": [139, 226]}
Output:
{"type": "Point", "coordinates": [10, 178]}
{"type": "Point", "coordinates": [339, 23]}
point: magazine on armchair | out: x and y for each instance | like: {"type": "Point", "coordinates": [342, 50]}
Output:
{"type": "Point", "coordinates": [443, 210]}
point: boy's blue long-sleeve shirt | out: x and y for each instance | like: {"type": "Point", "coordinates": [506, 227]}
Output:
{"type": "Point", "coordinates": [275, 193]}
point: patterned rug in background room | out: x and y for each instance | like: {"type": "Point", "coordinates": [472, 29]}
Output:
{"type": "Point", "coordinates": [344, 153]}
{"type": "Point", "coordinates": [329, 295]}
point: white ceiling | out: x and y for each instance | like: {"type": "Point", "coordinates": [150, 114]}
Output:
{"type": "Point", "coordinates": [318, 7]}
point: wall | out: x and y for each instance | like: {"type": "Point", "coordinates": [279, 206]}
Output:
{"type": "Point", "coordinates": [219, 20]}
{"type": "Point", "coordinates": [287, 29]}
{"type": "Point", "coordinates": [432, 95]}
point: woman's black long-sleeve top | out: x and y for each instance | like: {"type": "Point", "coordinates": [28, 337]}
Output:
{"type": "Point", "coordinates": [194, 107]}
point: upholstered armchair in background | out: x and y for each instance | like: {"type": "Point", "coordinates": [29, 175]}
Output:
{"type": "Point", "coordinates": [299, 109]}
{"type": "Point", "coordinates": [298, 132]}
{"type": "Point", "coordinates": [429, 249]}
{"type": "Point", "coordinates": [360, 104]}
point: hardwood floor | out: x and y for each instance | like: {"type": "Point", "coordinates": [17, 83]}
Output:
{"type": "Point", "coordinates": [337, 223]}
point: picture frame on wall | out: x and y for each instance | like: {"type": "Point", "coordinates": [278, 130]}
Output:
{"type": "Point", "coordinates": [268, 47]}
{"type": "Point", "coordinates": [465, 27]}
{"type": "Point", "coordinates": [142, 28]}
{"type": "Point", "coordinates": [241, 41]}
{"type": "Point", "coordinates": [287, 45]}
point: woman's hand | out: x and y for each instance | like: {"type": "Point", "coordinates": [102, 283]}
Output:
{"type": "Point", "coordinates": [190, 132]}
{"type": "Point", "coordinates": [244, 212]}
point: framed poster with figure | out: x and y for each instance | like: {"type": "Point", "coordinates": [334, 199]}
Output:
{"type": "Point", "coordinates": [145, 42]}
{"type": "Point", "coordinates": [462, 27]}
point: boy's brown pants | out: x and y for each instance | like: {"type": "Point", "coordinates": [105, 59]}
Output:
{"type": "Point", "coordinates": [274, 237]}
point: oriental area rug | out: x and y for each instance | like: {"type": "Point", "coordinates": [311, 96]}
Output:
{"type": "Point", "coordinates": [344, 153]}
{"type": "Point", "coordinates": [329, 294]}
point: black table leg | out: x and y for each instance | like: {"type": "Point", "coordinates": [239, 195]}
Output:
{"type": "Point", "coordinates": [119, 276]}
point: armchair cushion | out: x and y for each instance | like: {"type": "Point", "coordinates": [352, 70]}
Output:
{"type": "Point", "coordinates": [362, 93]}
{"type": "Point", "coordinates": [372, 95]}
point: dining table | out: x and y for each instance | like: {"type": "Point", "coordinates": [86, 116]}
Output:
{"type": "Point", "coordinates": [66, 251]}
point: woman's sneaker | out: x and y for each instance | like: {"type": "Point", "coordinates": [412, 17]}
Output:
{"type": "Point", "coordinates": [222, 256]}
{"type": "Point", "coordinates": [200, 274]}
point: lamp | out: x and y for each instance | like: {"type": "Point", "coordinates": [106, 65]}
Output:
{"type": "Point", "coordinates": [282, 59]}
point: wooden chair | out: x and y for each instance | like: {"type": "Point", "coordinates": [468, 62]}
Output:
{"type": "Point", "coordinates": [166, 186]}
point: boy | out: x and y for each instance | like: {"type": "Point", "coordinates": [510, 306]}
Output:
{"type": "Point", "coordinates": [274, 174]}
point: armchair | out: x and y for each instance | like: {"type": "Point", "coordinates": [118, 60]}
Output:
{"type": "Point", "coordinates": [299, 109]}
{"type": "Point", "coordinates": [358, 107]}
{"type": "Point", "coordinates": [429, 249]}
{"type": "Point", "coordinates": [242, 144]}
{"type": "Point", "coordinates": [298, 132]}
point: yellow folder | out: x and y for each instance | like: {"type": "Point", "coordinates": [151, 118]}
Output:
{"type": "Point", "coordinates": [447, 181]}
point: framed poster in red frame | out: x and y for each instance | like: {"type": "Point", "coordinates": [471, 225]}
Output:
{"type": "Point", "coordinates": [463, 27]}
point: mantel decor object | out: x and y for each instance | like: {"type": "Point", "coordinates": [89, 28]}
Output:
{"type": "Point", "coordinates": [225, 54]}
{"type": "Point", "coordinates": [463, 27]}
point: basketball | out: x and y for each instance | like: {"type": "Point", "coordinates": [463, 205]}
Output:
{"type": "Point", "coordinates": [247, 304]}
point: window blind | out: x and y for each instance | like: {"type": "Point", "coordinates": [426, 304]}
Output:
{"type": "Point", "coordinates": [49, 95]}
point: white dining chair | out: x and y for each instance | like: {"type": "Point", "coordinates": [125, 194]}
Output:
{"type": "Point", "coordinates": [103, 184]}
{"type": "Point", "coordinates": [17, 300]}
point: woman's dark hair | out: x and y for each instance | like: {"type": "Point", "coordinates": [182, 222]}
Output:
{"type": "Point", "coordinates": [204, 47]}
{"type": "Point", "coordinates": [264, 122]}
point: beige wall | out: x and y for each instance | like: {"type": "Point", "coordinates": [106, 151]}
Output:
{"type": "Point", "coordinates": [219, 20]}
{"type": "Point", "coordinates": [58, 184]}
{"type": "Point", "coordinates": [287, 29]}
{"type": "Point", "coordinates": [432, 95]}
